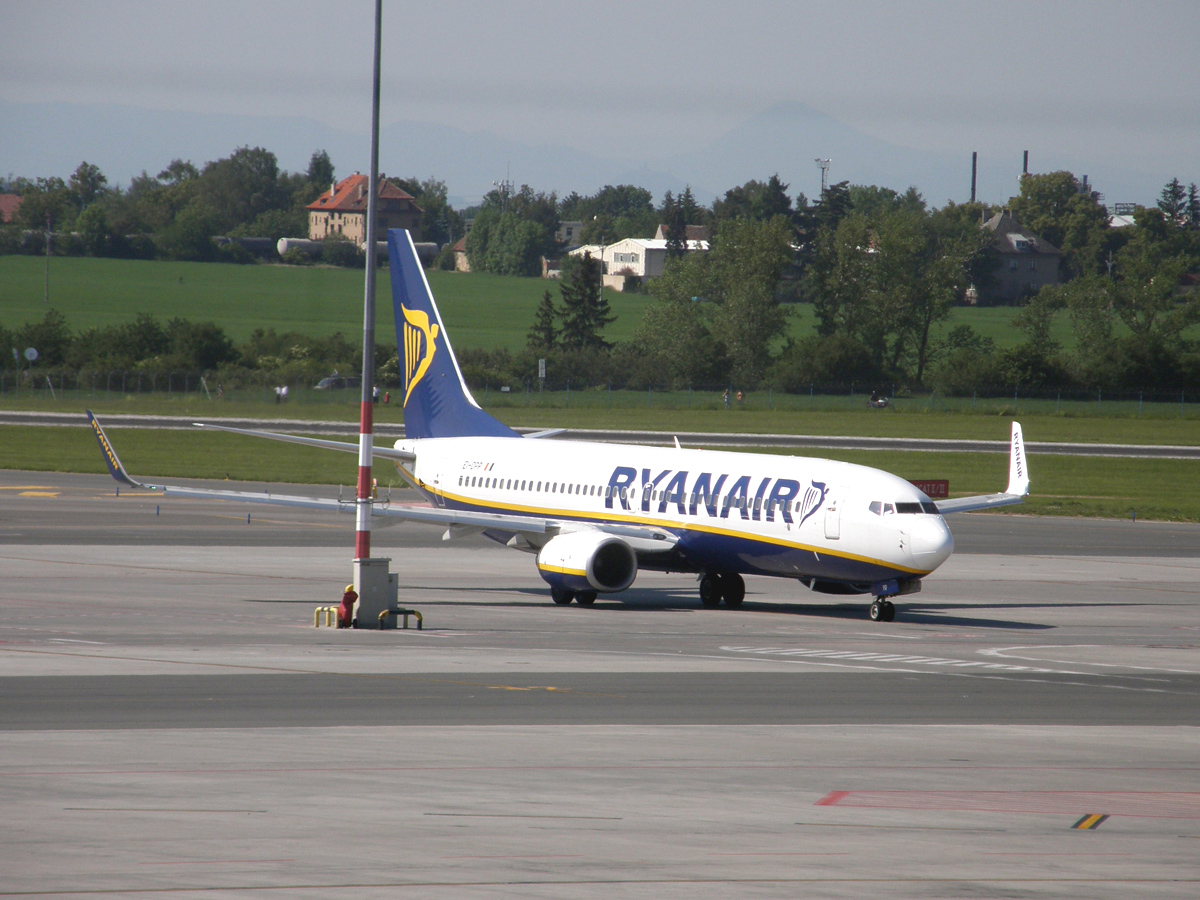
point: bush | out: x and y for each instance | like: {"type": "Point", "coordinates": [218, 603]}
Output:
{"type": "Point", "coordinates": [834, 360]}
{"type": "Point", "coordinates": [342, 253]}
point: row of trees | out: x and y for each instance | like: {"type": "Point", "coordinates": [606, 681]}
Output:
{"type": "Point", "coordinates": [150, 346]}
{"type": "Point", "coordinates": [883, 273]}
{"type": "Point", "coordinates": [177, 213]}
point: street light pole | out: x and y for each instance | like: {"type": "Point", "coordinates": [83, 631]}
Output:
{"type": "Point", "coordinates": [362, 538]}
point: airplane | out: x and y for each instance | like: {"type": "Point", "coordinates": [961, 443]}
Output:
{"type": "Point", "coordinates": [595, 514]}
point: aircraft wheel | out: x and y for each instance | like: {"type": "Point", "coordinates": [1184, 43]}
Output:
{"type": "Point", "coordinates": [889, 610]}
{"type": "Point", "coordinates": [585, 598]}
{"type": "Point", "coordinates": [710, 590]}
{"type": "Point", "coordinates": [877, 612]}
{"type": "Point", "coordinates": [561, 595]}
{"type": "Point", "coordinates": [733, 589]}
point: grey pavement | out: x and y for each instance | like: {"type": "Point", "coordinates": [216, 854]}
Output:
{"type": "Point", "coordinates": [172, 723]}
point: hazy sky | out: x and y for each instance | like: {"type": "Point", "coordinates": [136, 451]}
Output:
{"type": "Point", "coordinates": [1072, 79]}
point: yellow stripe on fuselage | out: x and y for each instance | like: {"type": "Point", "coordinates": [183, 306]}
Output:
{"type": "Point", "coordinates": [673, 525]}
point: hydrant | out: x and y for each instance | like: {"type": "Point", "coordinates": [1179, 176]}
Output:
{"type": "Point", "coordinates": [346, 610]}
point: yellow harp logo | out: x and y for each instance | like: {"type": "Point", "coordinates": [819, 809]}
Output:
{"type": "Point", "coordinates": [419, 347]}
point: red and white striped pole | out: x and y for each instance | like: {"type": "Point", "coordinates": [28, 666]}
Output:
{"type": "Point", "coordinates": [362, 536]}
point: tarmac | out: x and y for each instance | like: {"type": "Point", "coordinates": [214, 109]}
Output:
{"type": "Point", "coordinates": [171, 723]}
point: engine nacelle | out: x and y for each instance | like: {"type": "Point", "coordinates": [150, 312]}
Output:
{"type": "Point", "coordinates": [587, 561]}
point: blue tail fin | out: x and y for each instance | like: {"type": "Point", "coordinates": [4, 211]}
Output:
{"type": "Point", "coordinates": [436, 400]}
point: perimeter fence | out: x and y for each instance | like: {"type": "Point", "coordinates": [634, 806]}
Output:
{"type": "Point", "coordinates": [48, 388]}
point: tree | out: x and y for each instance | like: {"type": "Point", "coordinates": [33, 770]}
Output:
{"type": "Point", "coordinates": [672, 216]}
{"type": "Point", "coordinates": [47, 201]}
{"type": "Point", "coordinates": [505, 244]}
{"type": "Point", "coordinates": [239, 188]}
{"type": "Point", "coordinates": [745, 265]}
{"type": "Point", "coordinates": [320, 170]}
{"type": "Point", "coordinates": [440, 223]}
{"type": "Point", "coordinates": [543, 334]}
{"type": "Point", "coordinates": [757, 200]}
{"type": "Point", "coordinates": [612, 213]}
{"type": "Point", "coordinates": [178, 171]}
{"type": "Point", "coordinates": [86, 185]}
{"type": "Point", "coordinates": [889, 279]}
{"type": "Point", "coordinates": [93, 226]}
{"type": "Point", "coordinates": [585, 309]}
{"type": "Point", "coordinates": [1173, 202]}
{"type": "Point", "coordinates": [1055, 207]}
{"type": "Point", "coordinates": [50, 337]}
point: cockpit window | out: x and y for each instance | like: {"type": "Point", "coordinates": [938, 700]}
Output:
{"type": "Point", "coordinates": [908, 508]}
{"type": "Point", "coordinates": [876, 507]}
{"type": "Point", "coordinates": [930, 507]}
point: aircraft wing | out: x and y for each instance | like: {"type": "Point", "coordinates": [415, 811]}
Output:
{"type": "Point", "coordinates": [1018, 483]}
{"type": "Point", "coordinates": [411, 513]}
{"type": "Point", "coordinates": [382, 452]}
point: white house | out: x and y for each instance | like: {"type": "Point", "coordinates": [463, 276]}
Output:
{"type": "Point", "coordinates": [640, 257]}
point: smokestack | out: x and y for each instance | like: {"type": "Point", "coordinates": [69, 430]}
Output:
{"type": "Point", "coordinates": [974, 170]}
{"type": "Point", "coordinates": [1025, 164]}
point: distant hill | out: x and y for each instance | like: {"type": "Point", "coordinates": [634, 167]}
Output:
{"type": "Point", "coordinates": [40, 139]}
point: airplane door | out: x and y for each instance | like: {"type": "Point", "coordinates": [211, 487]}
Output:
{"type": "Point", "coordinates": [833, 517]}
{"type": "Point", "coordinates": [438, 499]}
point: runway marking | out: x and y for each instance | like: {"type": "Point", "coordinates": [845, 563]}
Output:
{"type": "Point", "coordinates": [789, 652]}
{"type": "Point", "coordinates": [524, 816]}
{"type": "Point", "coordinates": [26, 487]}
{"type": "Point", "coordinates": [1140, 804]}
{"type": "Point", "coordinates": [39, 493]}
{"type": "Point", "coordinates": [1007, 653]}
{"type": "Point", "coordinates": [1090, 822]}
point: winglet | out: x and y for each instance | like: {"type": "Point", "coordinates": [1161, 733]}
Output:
{"type": "Point", "coordinates": [1018, 468]}
{"type": "Point", "coordinates": [110, 455]}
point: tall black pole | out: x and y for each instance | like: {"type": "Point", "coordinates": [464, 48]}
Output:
{"type": "Point", "coordinates": [362, 537]}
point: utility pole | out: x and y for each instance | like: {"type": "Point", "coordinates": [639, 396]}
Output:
{"type": "Point", "coordinates": [823, 164]}
{"type": "Point", "coordinates": [48, 238]}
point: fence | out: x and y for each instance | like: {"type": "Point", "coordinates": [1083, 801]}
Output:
{"type": "Point", "coordinates": [67, 388]}
{"type": "Point", "coordinates": [88, 385]}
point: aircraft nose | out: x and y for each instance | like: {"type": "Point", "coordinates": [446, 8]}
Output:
{"type": "Point", "coordinates": [931, 541]}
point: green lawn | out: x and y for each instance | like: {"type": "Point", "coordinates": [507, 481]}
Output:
{"type": "Point", "coordinates": [480, 310]}
{"type": "Point", "coordinates": [1078, 486]}
{"type": "Point", "coordinates": [762, 413]}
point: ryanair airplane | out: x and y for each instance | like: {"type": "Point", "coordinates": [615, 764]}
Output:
{"type": "Point", "coordinates": [595, 514]}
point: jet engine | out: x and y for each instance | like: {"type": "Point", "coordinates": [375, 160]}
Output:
{"type": "Point", "coordinates": [587, 561]}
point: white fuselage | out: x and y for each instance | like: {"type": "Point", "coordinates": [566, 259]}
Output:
{"type": "Point", "coordinates": [748, 512]}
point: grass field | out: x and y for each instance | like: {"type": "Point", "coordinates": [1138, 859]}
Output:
{"type": "Point", "coordinates": [1077, 486]}
{"type": "Point", "coordinates": [481, 310]}
{"type": "Point", "coordinates": [1121, 422]}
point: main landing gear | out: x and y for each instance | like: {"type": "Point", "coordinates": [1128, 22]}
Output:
{"type": "Point", "coordinates": [718, 586]}
{"type": "Point", "coordinates": [883, 610]}
{"type": "Point", "coordinates": [562, 596]}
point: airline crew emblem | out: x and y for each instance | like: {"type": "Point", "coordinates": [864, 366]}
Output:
{"type": "Point", "coordinates": [419, 346]}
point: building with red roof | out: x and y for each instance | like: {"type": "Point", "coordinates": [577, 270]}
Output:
{"type": "Point", "coordinates": [9, 206]}
{"type": "Point", "coordinates": [343, 210]}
